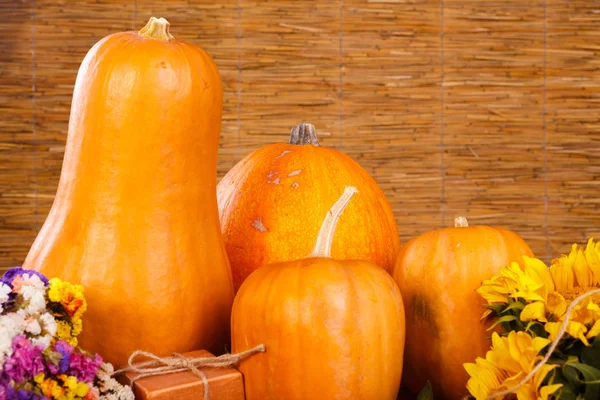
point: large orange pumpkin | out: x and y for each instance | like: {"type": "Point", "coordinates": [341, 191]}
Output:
{"type": "Point", "coordinates": [438, 273]}
{"type": "Point", "coordinates": [135, 218]}
{"type": "Point", "coordinates": [271, 204]}
{"type": "Point", "coordinates": [332, 329]}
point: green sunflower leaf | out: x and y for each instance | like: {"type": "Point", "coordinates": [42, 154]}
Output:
{"type": "Point", "coordinates": [426, 393]}
{"type": "Point", "coordinates": [517, 305]}
{"type": "Point", "coordinates": [591, 355]}
{"type": "Point", "coordinates": [566, 392]}
{"type": "Point", "coordinates": [496, 308]}
{"type": "Point", "coordinates": [501, 320]}
{"type": "Point", "coordinates": [586, 376]}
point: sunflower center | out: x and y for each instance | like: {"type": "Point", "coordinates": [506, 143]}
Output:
{"type": "Point", "coordinates": [571, 294]}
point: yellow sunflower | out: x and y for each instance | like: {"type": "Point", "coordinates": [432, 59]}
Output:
{"type": "Point", "coordinates": [510, 359]}
{"type": "Point", "coordinates": [548, 291]}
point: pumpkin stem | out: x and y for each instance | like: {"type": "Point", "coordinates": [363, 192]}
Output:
{"type": "Point", "coordinates": [304, 134]}
{"type": "Point", "coordinates": [325, 237]}
{"type": "Point", "coordinates": [461, 222]}
{"type": "Point", "coordinates": [156, 28]}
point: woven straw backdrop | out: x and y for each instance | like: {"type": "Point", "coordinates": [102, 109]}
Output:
{"type": "Point", "coordinates": [483, 108]}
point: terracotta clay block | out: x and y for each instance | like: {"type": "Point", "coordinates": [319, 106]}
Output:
{"type": "Point", "coordinates": [224, 384]}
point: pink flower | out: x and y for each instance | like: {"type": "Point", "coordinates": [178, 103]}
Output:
{"type": "Point", "coordinates": [93, 394]}
{"type": "Point", "coordinates": [17, 283]}
{"type": "Point", "coordinates": [84, 367]}
{"type": "Point", "coordinates": [25, 362]}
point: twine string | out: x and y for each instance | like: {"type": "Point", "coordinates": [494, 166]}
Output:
{"type": "Point", "coordinates": [180, 363]}
{"type": "Point", "coordinates": [553, 346]}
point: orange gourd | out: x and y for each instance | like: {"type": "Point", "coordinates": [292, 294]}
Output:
{"type": "Point", "coordinates": [271, 204]}
{"type": "Point", "coordinates": [438, 273]}
{"type": "Point", "coordinates": [333, 329]}
{"type": "Point", "coordinates": [135, 217]}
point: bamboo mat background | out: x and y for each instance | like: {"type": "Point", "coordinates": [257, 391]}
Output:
{"type": "Point", "coordinates": [489, 109]}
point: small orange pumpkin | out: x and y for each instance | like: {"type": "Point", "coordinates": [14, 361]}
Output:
{"type": "Point", "coordinates": [135, 217]}
{"type": "Point", "coordinates": [271, 204]}
{"type": "Point", "coordinates": [332, 329]}
{"type": "Point", "coordinates": [438, 273]}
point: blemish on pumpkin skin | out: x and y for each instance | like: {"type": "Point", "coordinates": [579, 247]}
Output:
{"type": "Point", "coordinates": [283, 154]}
{"type": "Point", "coordinates": [272, 174]}
{"type": "Point", "coordinates": [259, 226]}
{"type": "Point", "coordinates": [295, 185]}
{"type": "Point", "coordinates": [275, 181]}
{"type": "Point", "coordinates": [294, 173]}
{"type": "Point", "coordinates": [423, 311]}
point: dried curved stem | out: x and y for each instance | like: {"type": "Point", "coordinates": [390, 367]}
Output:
{"type": "Point", "coordinates": [304, 133]}
{"type": "Point", "coordinates": [157, 28]}
{"type": "Point", "coordinates": [325, 237]}
{"type": "Point", "coordinates": [461, 222]}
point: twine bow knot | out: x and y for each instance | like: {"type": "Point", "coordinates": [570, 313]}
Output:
{"type": "Point", "coordinates": [180, 363]}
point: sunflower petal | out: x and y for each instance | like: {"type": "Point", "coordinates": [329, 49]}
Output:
{"type": "Point", "coordinates": [583, 273]}
{"type": "Point", "coordinates": [562, 273]}
{"type": "Point", "coordinates": [552, 328]}
{"type": "Point", "coordinates": [577, 330]}
{"type": "Point", "coordinates": [526, 392]}
{"type": "Point", "coordinates": [539, 343]}
{"type": "Point", "coordinates": [486, 314]}
{"type": "Point", "coordinates": [594, 331]}
{"type": "Point", "coordinates": [528, 295]}
{"type": "Point", "coordinates": [484, 377]}
{"type": "Point", "coordinates": [556, 304]}
{"type": "Point", "coordinates": [534, 312]}
{"type": "Point", "coordinates": [546, 391]}
{"type": "Point", "coordinates": [541, 374]}
{"type": "Point", "coordinates": [592, 256]}
{"type": "Point", "coordinates": [537, 270]}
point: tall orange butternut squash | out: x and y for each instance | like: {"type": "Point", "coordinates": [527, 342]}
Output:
{"type": "Point", "coordinates": [135, 216]}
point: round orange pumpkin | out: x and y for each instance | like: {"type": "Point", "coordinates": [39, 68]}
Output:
{"type": "Point", "coordinates": [333, 329]}
{"type": "Point", "coordinates": [438, 273]}
{"type": "Point", "coordinates": [135, 217]}
{"type": "Point", "coordinates": [271, 204]}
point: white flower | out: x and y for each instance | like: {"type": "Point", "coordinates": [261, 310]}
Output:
{"type": "Point", "coordinates": [33, 326]}
{"type": "Point", "coordinates": [4, 292]}
{"type": "Point", "coordinates": [111, 389]}
{"type": "Point", "coordinates": [106, 369]}
{"type": "Point", "coordinates": [43, 341]}
{"type": "Point", "coordinates": [125, 393]}
{"type": "Point", "coordinates": [48, 323]}
{"type": "Point", "coordinates": [11, 325]}
{"type": "Point", "coordinates": [5, 344]}
{"type": "Point", "coordinates": [32, 280]}
{"type": "Point", "coordinates": [35, 297]}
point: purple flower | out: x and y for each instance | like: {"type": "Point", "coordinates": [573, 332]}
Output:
{"type": "Point", "coordinates": [21, 394]}
{"type": "Point", "coordinates": [7, 392]}
{"type": "Point", "coordinates": [65, 351]}
{"type": "Point", "coordinates": [25, 362]}
{"type": "Point", "coordinates": [9, 275]}
{"type": "Point", "coordinates": [52, 368]}
{"type": "Point", "coordinates": [84, 367]}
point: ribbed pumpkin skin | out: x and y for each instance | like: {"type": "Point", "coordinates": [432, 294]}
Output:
{"type": "Point", "coordinates": [332, 330]}
{"type": "Point", "coordinates": [438, 273]}
{"type": "Point", "coordinates": [135, 217]}
{"type": "Point", "coordinates": [272, 203]}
